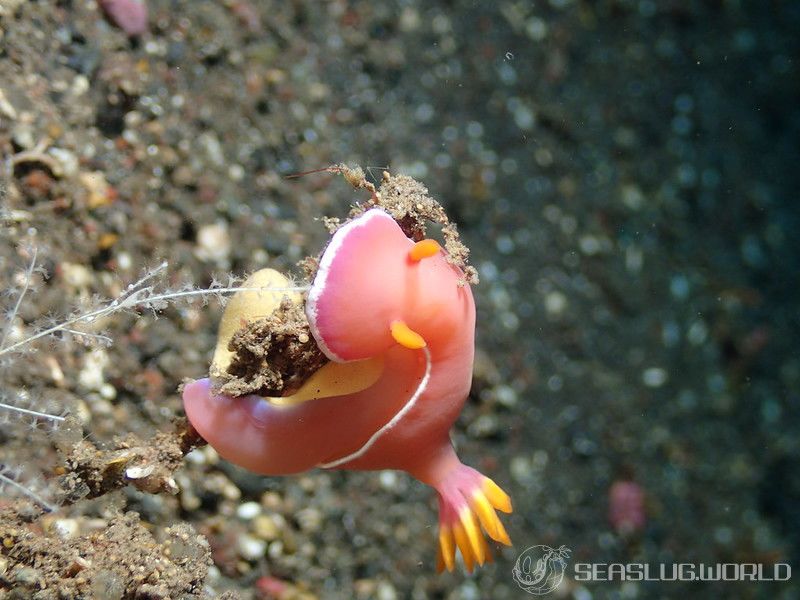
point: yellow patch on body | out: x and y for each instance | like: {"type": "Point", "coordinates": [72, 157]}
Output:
{"type": "Point", "coordinates": [407, 337]}
{"type": "Point", "coordinates": [335, 379]}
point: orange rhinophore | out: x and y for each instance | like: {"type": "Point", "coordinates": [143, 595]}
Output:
{"type": "Point", "coordinates": [398, 324]}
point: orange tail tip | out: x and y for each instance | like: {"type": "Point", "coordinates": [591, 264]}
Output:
{"type": "Point", "coordinates": [467, 505]}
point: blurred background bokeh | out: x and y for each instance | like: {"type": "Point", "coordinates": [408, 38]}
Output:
{"type": "Point", "coordinates": [624, 171]}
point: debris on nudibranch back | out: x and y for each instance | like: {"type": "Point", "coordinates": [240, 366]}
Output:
{"type": "Point", "coordinates": [249, 306]}
{"type": "Point", "coordinates": [394, 313]}
{"type": "Point", "coordinates": [264, 343]}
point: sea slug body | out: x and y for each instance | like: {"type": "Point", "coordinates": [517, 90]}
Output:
{"type": "Point", "coordinates": [398, 325]}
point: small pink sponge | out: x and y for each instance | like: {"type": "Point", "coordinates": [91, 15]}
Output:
{"type": "Point", "coordinates": [128, 15]}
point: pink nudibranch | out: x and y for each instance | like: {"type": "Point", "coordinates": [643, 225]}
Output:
{"type": "Point", "coordinates": [398, 323]}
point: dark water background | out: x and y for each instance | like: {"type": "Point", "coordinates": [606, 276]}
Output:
{"type": "Point", "coordinates": [644, 220]}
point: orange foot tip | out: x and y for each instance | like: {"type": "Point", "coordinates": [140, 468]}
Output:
{"type": "Point", "coordinates": [460, 526]}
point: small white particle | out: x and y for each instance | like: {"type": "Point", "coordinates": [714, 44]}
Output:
{"type": "Point", "coordinates": [248, 510]}
{"type": "Point", "coordinates": [654, 377]}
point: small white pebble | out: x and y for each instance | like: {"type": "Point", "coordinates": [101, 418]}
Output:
{"type": "Point", "coordinates": [632, 197]}
{"type": "Point", "coordinates": [139, 472]}
{"type": "Point", "coordinates": [91, 376]}
{"type": "Point", "coordinates": [276, 549]}
{"type": "Point", "coordinates": [214, 574]}
{"type": "Point", "coordinates": [468, 591]}
{"type": "Point", "coordinates": [66, 528]}
{"type": "Point", "coordinates": [23, 136]}
{"type": "Point", "coordinates": [555, 303]}
{"type": "Point", "coordinates": [536, 29]}
{"type": "Point", "coordinates": [388, 480]}
{"type": "Point", "coordinates": [66, 159]}
{"type": "Point", "coordinates": [124, 261]}
{"type": "Point", "coordinates": [210, 143]}
{"type": "Point", "coordinates": [236, 172]}
{"type": "Point", "coordinates": [524, 117]}
{"type": "Point", "coordinates": [248, 510]}
{"type": "Point", "coordinates": [214, 243]}
{"type": "Point", "coordinates": [483, 426]}
{"type": "Point", "coordinates": [589, 245]}
{"type": "Point", "coordinates": [108, 391]}
{"type": "Point", "coordinates": [654, 377]}
{"type": "Point", "coordinates": [386, 591]}
{"type": "Point", "coordinates": [521, 469]}
{"type": "Point", "coordinates": [505, 395]}
{"type": "Point", "coordinates": [75, 275]}
{"type": "Point", "coordinates": [80, 85]}
{"type": "Point", "coordinates": [251, 548]}
{"type": "Point", "coordinates": [196, 457]}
